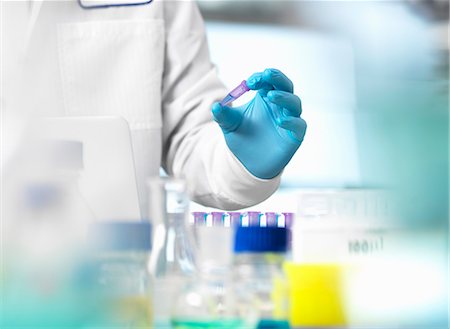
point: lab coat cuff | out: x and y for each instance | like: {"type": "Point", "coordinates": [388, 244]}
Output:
{"type": "Point", "coordinates": [248, 189]}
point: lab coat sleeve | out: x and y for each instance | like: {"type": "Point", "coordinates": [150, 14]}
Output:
{"type": "Point", "coordinates": [193, 145]}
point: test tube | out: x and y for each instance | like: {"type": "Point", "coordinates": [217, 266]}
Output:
{"type": "Point", "coordinates": [253, 218]}
{"type": "Point", "coordinates": [237, 92]}
{"type": "Point", "coordinates": [288, 219]}
{"type": "Point", "coordinates": [199, 218]}
{"type": "Point", "coordinates": [235, 219]}
{"type": "Point", "coordinates": [217, 218]}
{"type": "Point", "coordinates": [271, 219]}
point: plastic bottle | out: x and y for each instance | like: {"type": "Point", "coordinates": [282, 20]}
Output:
{"type": "Point", "coordinates": [122, 288]}
{"type": "Point", "coordinates": [41, 257]}
{"type": "Point", "coordinates": [46, 232]}
{"type": "Point", "coordinates": [262, 288]}
{"type": "Point", "coordinates": [51, 198]}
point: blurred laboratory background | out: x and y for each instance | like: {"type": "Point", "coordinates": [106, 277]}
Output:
{"type": "Point", "coordinates": [355, 237]}
{"type": "Point", "coordinates": [373, 79]}
{"type": "Point", "coordinates": [372, 76]}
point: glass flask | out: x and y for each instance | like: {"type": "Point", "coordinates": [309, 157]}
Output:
{"type": "Point", "coordinates": [172, 262]}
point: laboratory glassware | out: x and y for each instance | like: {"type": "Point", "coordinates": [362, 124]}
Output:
{"type": "Point", "coordinates": [46, 232]}
{"type": "Point", "coordinates": [261, 286]}
{"type": "Point", "coordinates": [172, 262]}
{"type": "Point", "coordinates": [209, 301]}
{"type": "Point", "coordinates": [120, 252]}
{"type": "Point", "coordinates": [199, 220]}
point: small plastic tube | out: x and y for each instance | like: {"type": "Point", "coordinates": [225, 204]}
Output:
{"type": "Point", "coordinates": [217, 218]}
{"type": "Point", "coordinates": [254, 218]}
{"type": "Point", "coordinates": [288, 222]}
{"type": "Point", "coordinates": [237, 92]}
{"type": "Point", "coordinates": [199, 218]}
{"type": "Point", "coordinates": [271, 219]}
{"type": "Point", "coordinates": [235, 219]}
{"type": "Point", "coordinates": [288, 219]}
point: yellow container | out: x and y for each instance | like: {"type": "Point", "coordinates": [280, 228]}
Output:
{"type": "Point", "coordinates": [316, 294]}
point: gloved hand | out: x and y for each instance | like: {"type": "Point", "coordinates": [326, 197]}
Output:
{"type": "Point", "coordinates": [264, 133]}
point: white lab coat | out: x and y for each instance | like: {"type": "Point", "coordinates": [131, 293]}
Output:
{"type": "Point", "coordinates": [149, 64]}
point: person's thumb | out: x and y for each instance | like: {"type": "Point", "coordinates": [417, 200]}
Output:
{"type": "Point", "coordinates": [228, 118]}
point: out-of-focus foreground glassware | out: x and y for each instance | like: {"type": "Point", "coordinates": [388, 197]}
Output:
{"type": "Point", "coordinates": [262, 288]}
{"type": "Point", "coordinates": [120, 253]}
{"type": "Point", "coordinates": [209, 301]}
{"type": "Point", "coordinates": [44, 230]}
{"type": "Point", "coordinates": [172, 262]}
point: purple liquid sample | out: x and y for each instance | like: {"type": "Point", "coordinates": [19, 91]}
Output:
{"type": "Point", "coordinates": [237, 92]}
{"type": "Point", "coordinates": [272, 219]}
{"type": "Point", "coordinates": [253, 218]}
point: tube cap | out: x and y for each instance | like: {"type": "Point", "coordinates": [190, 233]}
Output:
{"type": "Point", "coordinates": [120, 236]}
{"type": "Point", "coordinates": [254, 239]}
{"type": "Point", "coordinates": [288, 219]}
{"type": "Point", "coordinates": [271, 219]}
{"type": "Point", "coordinates": [254, 218]}
{"type": "Point", "coordinates": [199, 217]}
{"type": "Point", "coordinates": [235, 218]}
{"type": "Point", "coordinates": [217, 218]}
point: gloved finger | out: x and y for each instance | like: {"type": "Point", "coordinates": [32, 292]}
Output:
{"type": "Point", "coordinates": [270, 79]}
{"type": "Point", "coordinates": [278, 80]}
{"type": "Point", "coordinates": [297, 127]}
{"type": "Point", "coordinates": [256, 82]}
{"type": "Point", "coordinates": [290, 102]}
{"type": "Point", "coordinates": [228, 118]}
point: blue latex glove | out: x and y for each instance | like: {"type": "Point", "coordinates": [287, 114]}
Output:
{"type": "Point", "coordinates": [264, 133]}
